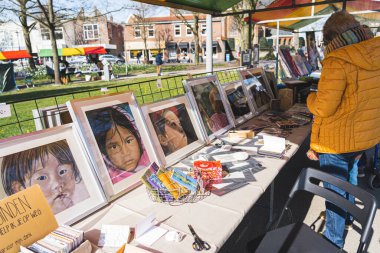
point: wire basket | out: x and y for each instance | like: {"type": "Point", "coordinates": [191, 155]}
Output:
{"type": "Point", "coordinates": [167, 196]}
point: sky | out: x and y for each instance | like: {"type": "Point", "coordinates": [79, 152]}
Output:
{"type": "Point", "coordinates": [121, 16]}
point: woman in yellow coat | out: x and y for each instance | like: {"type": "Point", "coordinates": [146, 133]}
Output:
{"type": "Point", "coordinates": [346, 106]}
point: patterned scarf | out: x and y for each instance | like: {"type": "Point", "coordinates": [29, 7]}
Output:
{"type": "Point", "coordinates": [352, 36]}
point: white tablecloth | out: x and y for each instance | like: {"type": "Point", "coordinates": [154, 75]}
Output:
{"type": "Point", "coordinates": [213, 218]}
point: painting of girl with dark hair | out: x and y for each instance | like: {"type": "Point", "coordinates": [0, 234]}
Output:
{"type": "Point", "coordinates": [172, 128]}
{"type": "Point", "coordinates": [119, 141]}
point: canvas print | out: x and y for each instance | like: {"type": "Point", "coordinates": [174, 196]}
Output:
{"type": "Point", "coordinates": [256, 85]}
{"type": "Point", "coordinates": [172, 128]}
{"type": "Point", "coordinates": [210, 105]}
{"type": "Point", "coordinates": [238, 102]}
{"type": "Point", "coordinates": [119, 141]}
{"type": "Point", "coordinates": [59, 167]}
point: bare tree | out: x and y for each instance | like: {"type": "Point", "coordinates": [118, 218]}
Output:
{"type": "Point", "coordinates": [141, 21]}
{"type": "Point", "coordinates": [194, 27]}
{"type": "Point", "coordinates": [20, 8]}
{"type": "Point", "coordinates": [51, 14]}
{"type": "Point", "coordinates": [239, 23]}
{"type": "Point", "coordinates": [163, 34]}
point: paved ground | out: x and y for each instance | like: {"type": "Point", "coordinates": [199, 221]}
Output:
{"type": "Point", "coordinates": [304, 208]}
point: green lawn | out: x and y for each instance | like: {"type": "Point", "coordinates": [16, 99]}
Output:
{"type": "Point", "coordinates": [24, 101]}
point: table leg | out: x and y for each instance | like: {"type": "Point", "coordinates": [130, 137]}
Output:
{"type": "Point", "coordinates": [271, 202]}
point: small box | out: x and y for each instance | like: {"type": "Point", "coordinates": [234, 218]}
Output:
{"type": "Point", "coordinates": [244, 134]}
{"type": "Point", "coordinates": [286, 97]}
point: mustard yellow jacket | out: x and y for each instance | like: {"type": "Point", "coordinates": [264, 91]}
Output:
{"type": "Point", "coordinates": [346, 107]}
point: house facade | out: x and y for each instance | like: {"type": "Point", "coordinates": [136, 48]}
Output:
{"type": "Point", "coordinates": [83, 31]}
{"type": "Point", "coordinates": [172, 35]}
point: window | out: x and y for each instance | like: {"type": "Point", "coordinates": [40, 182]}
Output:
{"type": "Point", "coordinates": [46, 35]}
{"type": "Point", "coordinates": [150, 31]}
{"type": "Point", "coordinates": [137, 32]}
{"type": "Point", "coordinates": [189, 32]}
{"type": "Point", "coordinates": [177, 30]}
{"type": "Point", "coordinates": [203, 29]}
{"type": "Point", "coordinates": [91, 32]}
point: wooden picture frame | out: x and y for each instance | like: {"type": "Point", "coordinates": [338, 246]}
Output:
{"type": "Point", "coordinates": [205, 94]}
{"type": "Point", "coordinates": [117, 139]}
{"type": "Point", "coordinates": [56, 159]}
{"type": "Point", "coordinates": [237, 98]}
{"type": "Point", "coordinates": [258, 89]}
{"type": "Point", "coordinates": [175, 129]}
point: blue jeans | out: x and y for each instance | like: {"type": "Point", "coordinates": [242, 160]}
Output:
{"type": "Point", "coordinates": [343, 166]}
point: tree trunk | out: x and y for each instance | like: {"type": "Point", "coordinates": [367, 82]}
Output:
{"type": "Point", "coordinates": [53, 41]}
{"type": "Point", "coordinates": [196, 38]}
{"type": "Point", "coordinates": [57, 77]}
{"type": "Point", "coordinates": [26, 32]}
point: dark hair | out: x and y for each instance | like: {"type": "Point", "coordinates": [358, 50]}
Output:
{"type": "Point", "coordinates": [159, 122]}
{"type": "Point", "coordinates": [104, 120]}
{"type": "Point", "coordinates": [338, 23]}
{"type": "Point", "coordinates": [15, 167]}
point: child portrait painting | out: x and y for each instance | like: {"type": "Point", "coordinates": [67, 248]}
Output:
{"type": "Point", "coordinates": [118, 140]}
{"type": "Point", "coordinates": [54, 159]}
{"type": "Point", "coordinates": [52, 167]}
{"type": "Point", "coordinates": [173, 128]}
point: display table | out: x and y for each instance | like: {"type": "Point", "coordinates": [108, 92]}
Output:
{"type": "Point", "coordinates": [214, 218]}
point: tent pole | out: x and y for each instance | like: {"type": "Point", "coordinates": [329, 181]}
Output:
{"type": "Point", "coordinates": [344, 5]}
{"type": "Point", "coordinates": [250, 31]}
{"type": "Point", "coordinates": [209, 67]}
{"type": "Point", "coordinates": [277, 47]}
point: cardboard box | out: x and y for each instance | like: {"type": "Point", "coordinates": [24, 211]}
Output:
{"type": "Point", "coordinates": [286, 98]}
{"type": "Point", "coordinates": [246, 134]}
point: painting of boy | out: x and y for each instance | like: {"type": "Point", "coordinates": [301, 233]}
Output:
{"type": "Point", "coordinates": [51, 166]}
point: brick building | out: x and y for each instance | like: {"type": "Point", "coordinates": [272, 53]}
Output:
{"type": "Point", "coordinates": [172, 35]}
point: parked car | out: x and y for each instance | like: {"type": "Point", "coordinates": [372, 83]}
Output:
{"type": "Point", "coordinates": [111, 59]}
{"type": "Point", "coordinates": [78, 60]}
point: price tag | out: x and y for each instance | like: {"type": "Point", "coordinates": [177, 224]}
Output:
{"type": "Point", "coordinates": [5, 111]}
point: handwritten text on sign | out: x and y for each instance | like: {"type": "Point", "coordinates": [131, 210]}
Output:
{"type": "Point", "coordinates": [25, 217]}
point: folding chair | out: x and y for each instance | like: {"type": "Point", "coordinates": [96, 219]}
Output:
{"type": "Point", "coordinates": [298, 237]}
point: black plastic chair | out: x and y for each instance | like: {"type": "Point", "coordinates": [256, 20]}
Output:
{"type": "Point", "coordinates": [299, 237]}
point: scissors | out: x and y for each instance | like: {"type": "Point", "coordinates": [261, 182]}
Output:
{"type": "Point", "coordinates": [198, 243]}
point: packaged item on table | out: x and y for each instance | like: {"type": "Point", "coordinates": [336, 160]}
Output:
{"type": "Point", "coordinates": [209, 171]}
{"type": "Point", "coordinates": [182, 190]}
{"type": "Point", "coordinates": [160, 186]}
{"type": "Point", "coordinates": [185, 180]}
{"type": "Point", "coordinates": [169, 185]}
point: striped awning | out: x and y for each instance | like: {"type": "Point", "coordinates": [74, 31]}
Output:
{"type": "Point", "coordinates": [14, 55]}
{"type": "Point", "coordinates": [72, 51]}
{"type": "Point", "coordinates": [317, 10]}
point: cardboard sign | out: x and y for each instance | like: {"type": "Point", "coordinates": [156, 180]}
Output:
{"type": "Point", "coordinates": [25, 217]}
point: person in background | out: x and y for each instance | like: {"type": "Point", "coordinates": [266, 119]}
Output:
{"type": "Point", "coordinates": [100, 66]}
{"type": "Point", "coordinates": [159, 62]}
{"type": "Point", "coordinates": [345, 123]}
{"type": "Point", "coordinates": [138, 56]}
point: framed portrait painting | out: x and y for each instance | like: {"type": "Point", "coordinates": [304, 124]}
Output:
{"type": "Point", "coordinates": [206, 97]}
{"type": "Point", "coordinates": [174, 128]}
{"type": "Point", "coordinates": [116, 138]}
{"type": "Point", "coordinates": [237, 98]}
{"type": "Point", "coordinates": [257, 87]}
{"type": "Point", "coordinates": [55, 159]}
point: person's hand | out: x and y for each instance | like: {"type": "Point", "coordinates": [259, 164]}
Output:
{"type": "Point", "coordinates": [312, 155]}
